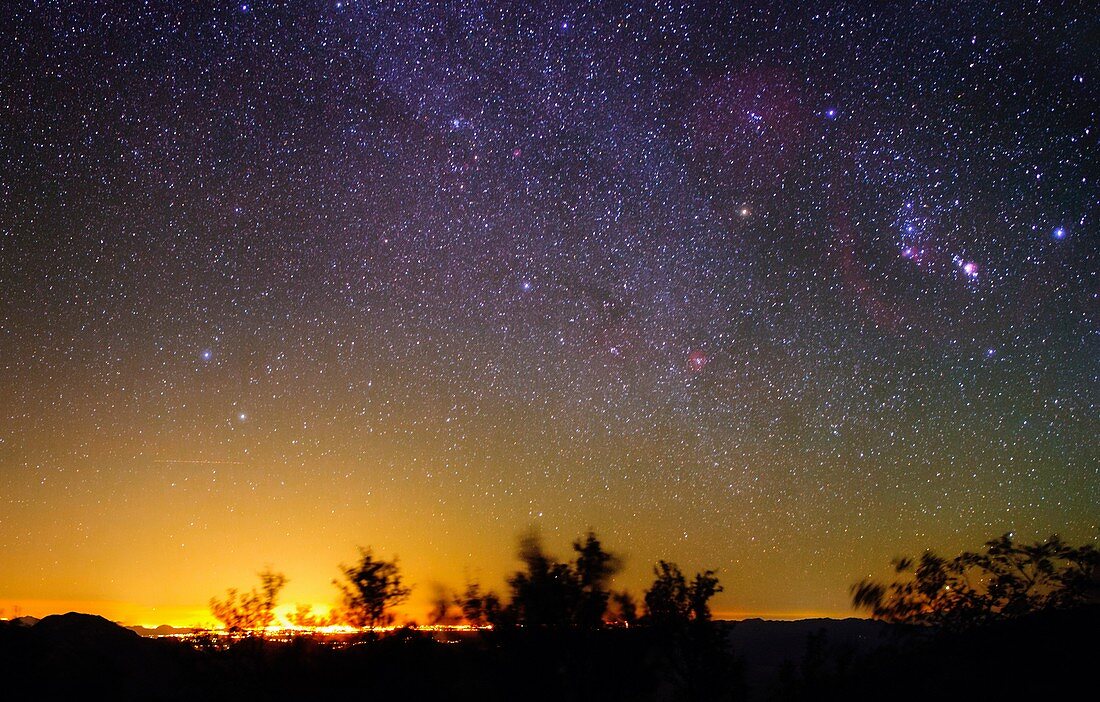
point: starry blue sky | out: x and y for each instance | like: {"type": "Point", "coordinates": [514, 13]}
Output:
{"type": "Point", "coordinates": [781, 291]}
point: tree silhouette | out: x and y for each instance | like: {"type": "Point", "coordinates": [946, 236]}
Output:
{"type": "Point", "coordinates": [671, 600]}
{"type": "Point", "coordinates": [303, 616]}
{"type": "Point", "coordinates": [446, 607]}
{"type": "Point", "coordinates": [548, 594]}
{"type": "Point", "coordinates": [370, 588]}
{"type": "Point", "coordinates": [691, 647]}
{"type": "Point", "coordinates": [479, 608]}
{"type": "Point", "coordinates": [594, 568]}
{"type": "Point", "coordinates": [703, 587]}
{"type": "Point", "coordinates": [251, 611]}
{"type": "Point", "coordinates": [625, 608]}
{"type": "Point", "coordinates": [545, 593]}
{"type": "Point", "coordinates": [1004, 581]}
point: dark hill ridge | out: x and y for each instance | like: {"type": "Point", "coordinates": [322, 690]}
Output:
{"type": "Point", "coordinates": [767, 642]}
{"type": "Point", "coordinates": [84, 656]}
{"type": "Point", "coordinates": [766, 646]}
{"type": "Point", "coordinates": [75, 622]}
{"type": "Point", "coordinates": [162, 630]}
{"type": "Point", "coordinates": [81, 656]}
{"type": "Point", "coordinates": [782, 632]}
{"type": "Point", "coordinates": [75, 628]}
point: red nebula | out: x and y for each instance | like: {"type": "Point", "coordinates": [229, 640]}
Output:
{"type": "Point", "coordinates": [696, 360]}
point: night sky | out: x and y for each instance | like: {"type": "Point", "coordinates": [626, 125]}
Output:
{"type": "Point", "coordinates": [779, 291]}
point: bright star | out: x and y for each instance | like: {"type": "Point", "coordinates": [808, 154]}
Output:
{"type": "Point", "coordinates": [911, 253]}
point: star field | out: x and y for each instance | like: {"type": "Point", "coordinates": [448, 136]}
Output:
{"type": "Point", "coordinates": [780, 291]}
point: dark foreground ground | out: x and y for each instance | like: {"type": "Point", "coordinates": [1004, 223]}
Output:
{"type": "Point", "coordinates": [82, 657]}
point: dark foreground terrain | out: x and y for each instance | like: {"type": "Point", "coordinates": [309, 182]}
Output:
{"type": "Point", "coordinates": [78, 656]}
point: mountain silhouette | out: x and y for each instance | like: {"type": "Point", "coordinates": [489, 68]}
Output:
{"type": "Point", "coordinates": [82, 656]}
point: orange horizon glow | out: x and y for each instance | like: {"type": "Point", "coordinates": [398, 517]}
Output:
{"type": "Point", "coordinates": [150, 583]}
{"type": "Point", "coordinates": [311, 278]}
{"type": "Point", "coordinates": [134, 614]}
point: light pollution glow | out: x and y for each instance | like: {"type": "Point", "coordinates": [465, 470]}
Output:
{"type": "Point", "coordinates": [775, 291]}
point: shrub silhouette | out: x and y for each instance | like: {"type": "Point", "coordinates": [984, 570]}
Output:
{"type": "Point", "coordinates": [691, 649]}
{"type": "Point", "coordinates": [625, 610]}
{"type": "Point", "coordinates": [479, 608]}
{"type": "Point", "coordinates": [594, 569]}
{"type": "Point", "coordinates": [671, 600]}
{"type": "Point", "coordinates": [252, 611]}
{"type": "Point", "coordinates": [1004, 581]}
{"type": "Point", "coordinates": [369, 589]}
{"type": "Point", "coordinates": [446, 607]}
{"type": "Point", "coordinates": [303, 616]}
{"type": "Point", "coordinates": [549, 594]}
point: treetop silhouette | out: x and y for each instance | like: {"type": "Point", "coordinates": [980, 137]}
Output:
{"type": "Point", "coordinates": [672, 600]}
{"type": "Point", "coordinates": [548, 594]}
{"type": "Point", "coordinates": [369, 589]}
{"type": "Point", "coordinates": [1005, 580]}
{"type": "Point", "coordinates": [253, 611]}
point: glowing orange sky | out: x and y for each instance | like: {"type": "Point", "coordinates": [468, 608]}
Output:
{"type": "Point", "coordinates": [299, 280]}
{"type": "Point", "coordinates": [118, 531]}
{"type": "Point", "coordinates": [161, 546]}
